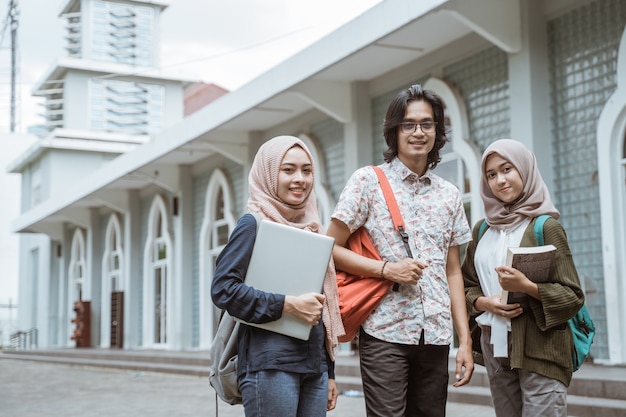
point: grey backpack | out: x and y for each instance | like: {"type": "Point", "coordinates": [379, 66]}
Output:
{"type": "Point", "coordinates": [223, 353]}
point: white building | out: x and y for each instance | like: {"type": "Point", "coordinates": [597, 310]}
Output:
{"type": "Point", "coordinates": [101, 100]}
{"type": "Point", "coordinates": [10, 184]}
{"type": "Point", "coordinates": [149, 223]}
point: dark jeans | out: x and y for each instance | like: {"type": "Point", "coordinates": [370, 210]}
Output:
{"type": "Point", "coordinates": [403, 380]}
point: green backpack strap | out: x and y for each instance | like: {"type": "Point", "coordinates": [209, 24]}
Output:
{"type": "Point", "coordinates": [539, 228]}
{"type": "Point", "coordinates": [482, 229]}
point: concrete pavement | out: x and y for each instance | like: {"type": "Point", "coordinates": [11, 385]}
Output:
{"type": "Point", "coordinates": [37, 389]}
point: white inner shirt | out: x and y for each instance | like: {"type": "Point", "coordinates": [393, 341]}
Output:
{"type": "Point", "coordinates": [491, 253]}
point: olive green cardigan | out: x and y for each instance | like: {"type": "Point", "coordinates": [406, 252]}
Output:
{"type": "Point", "coordinates": [541, 341]}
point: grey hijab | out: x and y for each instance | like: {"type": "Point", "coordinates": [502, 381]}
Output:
{"type": "Point", "coordinates": [535, 198]}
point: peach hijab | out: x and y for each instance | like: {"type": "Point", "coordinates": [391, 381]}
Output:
{"type": "Point", "coordinates": [263, 199]}
{"type": "Point", "coordinates": [535, 198]}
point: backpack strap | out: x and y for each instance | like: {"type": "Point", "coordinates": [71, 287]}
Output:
{"type": "Point", "coordinates": [392, 204]}
{"type": "Point", "coordinates": [482, 229]}
{"type": "Point", "coordinates": [539, 228]}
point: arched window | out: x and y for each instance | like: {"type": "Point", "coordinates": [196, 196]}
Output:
{"type": "Point", "coordinates": [77, 267]}
{"type": "Point", "coordinates": [460, 161]}
{"type": "Point", "coordinates": [217, 224]}
{"type": "Point", "coordinates": [113, 255]}
{"type": "Point", "coordinates": [611, 139]}
{"type": "Point", "coordinates": [112, 278]}
{"type": "Point", "coordinates": [157, 286]}
{"type": "Point", "coordinates": [77, 277]}
{"type": "Point", "coordinates": [325, 202]}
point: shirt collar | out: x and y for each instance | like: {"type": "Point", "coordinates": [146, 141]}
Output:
{"type": "Point", "coordinates": [406, 174]}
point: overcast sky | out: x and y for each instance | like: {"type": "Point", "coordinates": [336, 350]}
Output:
{"type": "Point", "coordinates": [226, 42]}
{"type": "Point", "coordinates": [216, 41]}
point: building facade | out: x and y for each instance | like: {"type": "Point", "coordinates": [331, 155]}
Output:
{"type": "Point", "coordinates": [103, 98]}
{"type": "Point", "coordinates": [148, 221]}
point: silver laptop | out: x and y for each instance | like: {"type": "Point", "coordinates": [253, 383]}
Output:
{"type": "Point", "coordinates": [289, 261]}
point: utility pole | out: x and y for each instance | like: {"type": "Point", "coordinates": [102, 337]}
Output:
{"type": "Point", "coordinates": [11, 23]}
{"type": "Point", "coordinates": [13, 15]}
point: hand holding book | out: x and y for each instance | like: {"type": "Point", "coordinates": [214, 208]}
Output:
{"type": "Point", "coordinates": [535, 263]}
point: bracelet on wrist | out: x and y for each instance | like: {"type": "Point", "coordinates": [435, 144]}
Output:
{"type": "Point", "coordinates": [382, 269]}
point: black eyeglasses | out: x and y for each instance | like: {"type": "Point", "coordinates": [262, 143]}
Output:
{"type": "Point", "coordinates": [411, 127]}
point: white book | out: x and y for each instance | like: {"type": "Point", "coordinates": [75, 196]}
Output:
{"type": "Point", "coordinates": [291, 261]}
{"type": "Point", "coordinates": [536, 262]}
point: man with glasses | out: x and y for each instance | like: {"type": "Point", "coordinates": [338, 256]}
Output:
{"type": "Point", "coordinates": [405, 343]}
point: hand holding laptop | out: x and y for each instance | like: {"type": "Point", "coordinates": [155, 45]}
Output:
{"type": "Point", "coordinates": [306, 307]}
{"type": "Point", "coordinates": [280, 265]}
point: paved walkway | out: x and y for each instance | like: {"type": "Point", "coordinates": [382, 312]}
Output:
{"type": "Point", "coordinates": [36, 389]}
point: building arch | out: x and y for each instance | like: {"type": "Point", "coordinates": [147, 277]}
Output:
{"type": "Point", "coordinates": [325, 202]}
{"type": "Point", "coordinates": [77, 277]}
{"type": "Point", "coordinates": [611, 140]}
{"type": "Point", "coordinates": [112, 274]}
{"type": "Point", "coordinates": [157, 279]}
{"type": "Point", "coordinates": [217, 224]}
{"type": "Point", "coordinates": [463, 161]}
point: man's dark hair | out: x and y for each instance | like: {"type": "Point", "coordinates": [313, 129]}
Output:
{"type": "Point", "coordinates": [395, 116]}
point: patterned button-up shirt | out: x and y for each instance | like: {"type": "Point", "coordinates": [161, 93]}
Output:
{"type": "Point", "coordinates": [435, 220]}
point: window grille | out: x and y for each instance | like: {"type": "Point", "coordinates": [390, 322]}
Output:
{"type": "Point", "coordinates": [126, 107]}
{"type": "Point", "coordinates": [122, 33]}
{"type": "Point", "coordinates": [53, 105]}
{"type": "Point", "coordinates": [482, 80]}
{"type": "Point", "coordinates": [73, 34]}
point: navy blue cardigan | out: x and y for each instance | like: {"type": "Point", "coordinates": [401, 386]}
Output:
{"type": "Point", "coordinates": [261, 349]}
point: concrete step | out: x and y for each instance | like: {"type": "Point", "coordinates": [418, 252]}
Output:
{"type": "Point", "coordinates": [597, 407]}
{"type": "Point", "coordinates": [348, 383]}
{"type": "Point", "coordinates": [600, 382]}
{"type": "Point", "coordinates": [107, 362]}
{"type": "Point", "coordinates": [192, 358]}
{"type": "Point", "coordinates": [470, 394]}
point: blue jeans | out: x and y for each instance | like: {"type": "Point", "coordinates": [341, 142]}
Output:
{"type": "Point", "coordinates": [273, 393]}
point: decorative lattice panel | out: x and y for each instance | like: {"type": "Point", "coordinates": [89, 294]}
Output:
{"type": "Point", "coordinates": [583, 46]}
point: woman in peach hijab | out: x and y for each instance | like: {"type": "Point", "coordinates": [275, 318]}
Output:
{"type": "Point", "coordinates": [279, 375]}
{"type": "Point", "coordinates": [527, 345]}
